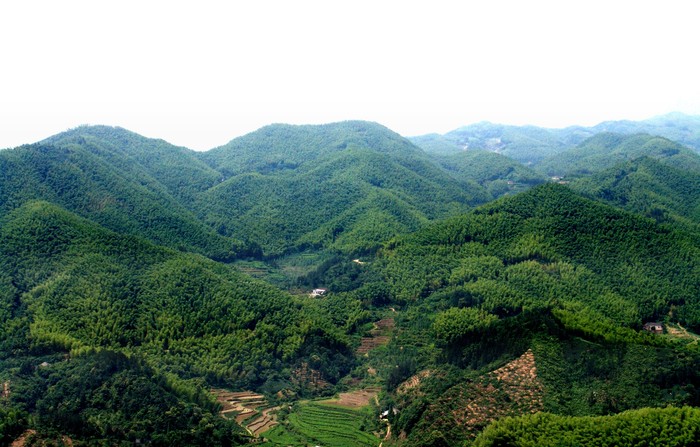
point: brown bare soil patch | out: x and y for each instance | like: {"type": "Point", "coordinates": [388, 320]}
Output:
{"type": "Point", "coordinates": [29, 437]}
{"type": "Point", "coordinates": [369, 343]}
{"type": "Point", "coordinates": [520, 372]}
{"type": "Point", "coordinates": [264, 422]}
{"type": "Point", "coordinates": [354, 399]}
{"type": "Point", "coordinates": [385, 324]}
{"type": "Point", "coordinates": [23, 438]}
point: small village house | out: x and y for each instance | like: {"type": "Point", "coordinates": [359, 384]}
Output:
{"type": "Point", "coordinates": [656, 328]}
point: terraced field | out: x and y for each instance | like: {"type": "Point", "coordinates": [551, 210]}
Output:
{"type": "Point", "coordinates": [248, 409]}
{"type": "Point", "coordinates": [379, 336]}
{"type": "Point", "coordinates": [318, 424]}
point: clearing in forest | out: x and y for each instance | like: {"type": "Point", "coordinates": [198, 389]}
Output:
{"type": "Point", "coordinates": [379, 336]}
{"type": "Point", "coordinates": [467, 408]}
{"type": "Point", "coordinates": [22, 440]}
{"type": "Point", "coordinates": [678, 331]}
{"type": "Point", "coordinates": [413, 382]}
{"type": "Point", "coordinates": [354, 399]}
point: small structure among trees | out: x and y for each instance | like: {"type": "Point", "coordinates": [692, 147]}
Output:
{"type": "Point", "coordinates": [656, 328]}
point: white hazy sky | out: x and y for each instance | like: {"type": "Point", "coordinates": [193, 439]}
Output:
{"type": "Point", "coordinates": [198, 74]}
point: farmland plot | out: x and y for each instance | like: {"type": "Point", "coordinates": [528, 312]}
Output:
{"type": "Point", "coordinates": [324, 425]}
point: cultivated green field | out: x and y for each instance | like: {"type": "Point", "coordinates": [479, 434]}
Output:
{"type": "Point", "coordinates": [325, 425]}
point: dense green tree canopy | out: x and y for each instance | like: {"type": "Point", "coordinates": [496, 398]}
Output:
{"type": "Point", "coordinates": [130, 284]}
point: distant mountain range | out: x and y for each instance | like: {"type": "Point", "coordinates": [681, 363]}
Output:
{"type": "Point", "coordinates": [531, 144]}
{"type": "Point", "coordinates": [605, 150]}
{"type": "Point", "coordinates": [348, 185]}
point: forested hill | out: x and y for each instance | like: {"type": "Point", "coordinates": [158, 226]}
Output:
{"type": "Point", "coordinates": [284, 146]}
{"type": "Point", "coordinates": [550, 224]}
{"type": "Point", "coordinates": [104, 181]}
{"type": "Point", "coordinates": [179, 169]}
{"type": "Point", "coordinates": [81, 285]}
{"type": "Point", "coordinates": [685, 129]}
{"type": "Point", "coordinates": [649, 187]}
{"type": "Point", "coordinates": [536, 302]}
{"type": "Point", "coordinates": [666, 427]}
{"type": "Point", "coordinates": [526, 144]}
{"type": "Point", "coordinates": [347, 186]}
{"type": "Point", "coordinates": [497, 173]}
{"type": "Point", "coordinates": [605, 150]}
{"type": "Point", "coordinates": [105, 336]}
{"type": "Point", "coordinates": [125, 294]}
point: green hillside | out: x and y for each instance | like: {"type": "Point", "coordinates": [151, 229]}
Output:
{"type": "Point", "coordinates": [605, 150]}
{"type": "Point", "coordinates": [550, 224]}
{"type": "Point", "coordinates": [436, 144]}
{"type": "Point", "coordinates": [292, 187]}
{"type": "Point", "coordinates": [649, 187]}
{"type": "Point", "coordinates": [282, 146]}
{"type": "Point", "coordinates": [346, 186]}
{"type": "Point", "coordinates": [126, 292]}
{"type": "Point", "coordinates": [530, 144]}
{"type": "Point", "coordinates": [179, 169]}
{"type": "Point", "coordinates": [73, 290]}
{"type": "Point", "coordinates": [526, 144]}
{"type": "Point", "coordinates": [497, 173]}
{"type": "Point", "coordinates": [105, 397]}
{"type": "Point", "coordinates": [548, 272]}
{"type": "Point", "coordinates": [667, 427]}
{"type": "Point", "coordinates": [86, 286]}
{"type": "Point", "coordinates": [685, 129]}
{"type": "Point", "coordinates": [100, 182]}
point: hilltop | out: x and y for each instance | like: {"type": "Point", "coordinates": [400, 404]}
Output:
{"type": "Point", "coordinates": [348, 186]}
{"type": "Point", "coordinates": [605, 150]}
{"type": "Point", "coordinates": [101, 179]}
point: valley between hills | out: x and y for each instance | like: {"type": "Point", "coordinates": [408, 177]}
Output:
{"type": "Point", "coordinates": [342, 285]}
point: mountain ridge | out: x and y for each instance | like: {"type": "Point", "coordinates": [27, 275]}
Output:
{"type": "Point", "coordinates": [530, 144]}
{"type": "Point", "coordinates": [313, 181]}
